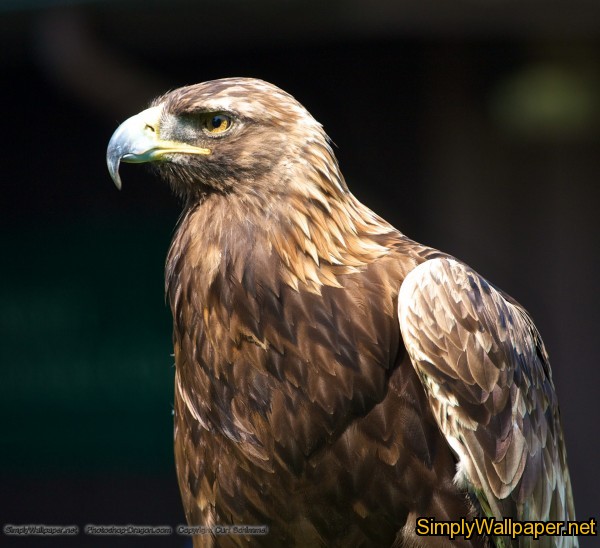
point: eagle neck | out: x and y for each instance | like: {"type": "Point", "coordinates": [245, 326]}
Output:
{"type": "Point", "coordinates": [307, 239]}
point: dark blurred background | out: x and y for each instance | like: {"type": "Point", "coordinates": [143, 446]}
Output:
{"type": "Point", "coordinates": [473, 126]}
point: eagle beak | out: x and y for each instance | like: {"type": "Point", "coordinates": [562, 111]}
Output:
{"type": "Point", "coordinates": [137, 140]}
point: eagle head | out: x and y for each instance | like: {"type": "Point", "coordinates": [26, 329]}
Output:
{"type": "Point", "coordinates": [234, 135]}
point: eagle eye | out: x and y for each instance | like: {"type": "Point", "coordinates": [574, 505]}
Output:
{"type": "Point", "coordinates": [217, 123]}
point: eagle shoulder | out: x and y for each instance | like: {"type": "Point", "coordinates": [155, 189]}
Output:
{"type": "Point", "coordinates": [486, 372]}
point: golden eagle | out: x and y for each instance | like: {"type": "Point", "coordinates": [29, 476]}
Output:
{"type": "Point", "coordinates": [335, 380]}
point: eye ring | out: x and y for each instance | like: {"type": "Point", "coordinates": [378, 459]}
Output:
{"type": "Point", "coordinates": [217, 123]}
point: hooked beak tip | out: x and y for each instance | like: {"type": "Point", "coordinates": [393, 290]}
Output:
{"type": "Point", "coordinates": [132, 141]}
{"type": "Point", "coordinates": [113, 161]}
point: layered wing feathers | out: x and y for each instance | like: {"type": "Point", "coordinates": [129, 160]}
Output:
{"type": "Point", "coordinates": [486, 373]}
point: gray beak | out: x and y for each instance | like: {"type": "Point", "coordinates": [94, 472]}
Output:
{"type": "Point", "coordinates": [137, 140]}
